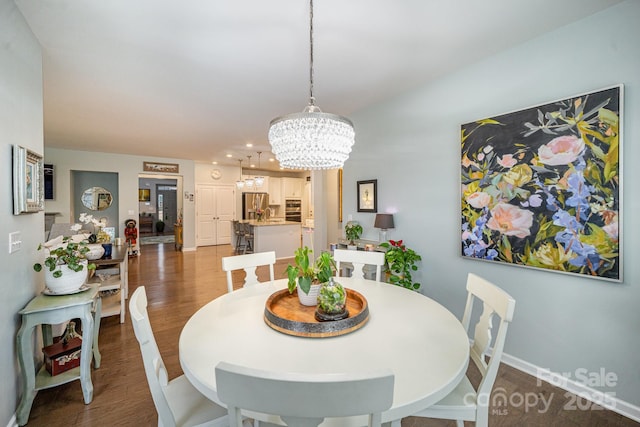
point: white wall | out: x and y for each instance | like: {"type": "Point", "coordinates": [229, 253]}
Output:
{"type": "Point", "coordinates": [128, 169]}
{"type": "Point", "coordinates": [20, 123]}
{"type": "Point", "coordinates": [411, 144]}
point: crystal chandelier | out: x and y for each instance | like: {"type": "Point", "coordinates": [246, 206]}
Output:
{"type": "Point", "coordinates": [311, 139]}
{"type": "Point", "coordinates": [240, 182]}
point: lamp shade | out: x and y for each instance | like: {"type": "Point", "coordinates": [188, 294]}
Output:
{"type": "Point", "coordinates": [383, 221]}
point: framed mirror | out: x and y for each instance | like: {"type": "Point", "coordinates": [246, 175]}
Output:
{"type": "Point", "coordinates": [96, 198]}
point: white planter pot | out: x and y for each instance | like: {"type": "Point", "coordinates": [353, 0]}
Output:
{"type": "Point", "coordinates": [69, 282]}
{"type": "Point", "coordinates": [311, 298]}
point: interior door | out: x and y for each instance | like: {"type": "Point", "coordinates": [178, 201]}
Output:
{"type": "Point", "coordinates": [205, 215]}
{"type": "Point", "coordinates": [225, 210]}
{"type": "Point", "coordinates": [215, 209]}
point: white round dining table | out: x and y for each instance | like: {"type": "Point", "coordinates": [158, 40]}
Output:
{"type": "Point", "coordinates": [423, 343]}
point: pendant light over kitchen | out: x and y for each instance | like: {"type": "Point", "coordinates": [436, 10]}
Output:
{"type": "Point", "coordinates": [259, 180]}
{"type": "Point", "coordinates": [249, 181]}
{"type": "Point", "coordinates": [240, 182]}
{"type": "Point", "coordinates": [311, 139]}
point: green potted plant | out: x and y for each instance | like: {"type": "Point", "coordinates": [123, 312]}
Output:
{"type": "Point", "coordinates": [65, 263]}
{"type": "Point", "coordinates": [400, 262]}
{"type": "Point", "coordinates": [353, 231]}
{"type": "Point", "coordinates": [307, 276]}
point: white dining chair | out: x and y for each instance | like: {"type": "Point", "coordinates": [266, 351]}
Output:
{"type": "Point", "coordinates": [177, 402]}
{"type": "Point", "coordinates": [359, 259]}
{"type": "Point", "coordinates": [465, 403]}
{"type": "Point", "coordinates": [303, 399]}
{"type": "Point", "coordinates": [248, 263]}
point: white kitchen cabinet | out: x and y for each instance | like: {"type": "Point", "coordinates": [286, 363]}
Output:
{"type": "Point", "coordinates": [275, 191]}
{"type": "Point", "coordinates": [292, 188]}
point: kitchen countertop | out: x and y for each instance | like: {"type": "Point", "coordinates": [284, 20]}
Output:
{"type": "Point", "coordinates": [269, 223]}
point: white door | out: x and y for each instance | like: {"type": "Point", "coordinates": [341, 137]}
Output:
{"type": "Point", "coordinates": [215, 209]}
{"type": "Point", "coordinates": [225, 212]}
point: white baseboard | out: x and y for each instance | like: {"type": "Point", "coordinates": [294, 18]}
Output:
{"type": "Point", "coordinates": [13, 422]}
{"type": "Point", "coordinates": [612, 403]}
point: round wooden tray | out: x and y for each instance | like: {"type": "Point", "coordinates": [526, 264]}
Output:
{"type": "Point", "coordinates": [284, 313]}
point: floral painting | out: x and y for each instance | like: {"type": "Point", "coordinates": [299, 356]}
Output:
{"type": "Point", "coordinates": [541, 186]}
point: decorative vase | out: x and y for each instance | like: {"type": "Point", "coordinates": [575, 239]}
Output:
{"type": "Point", "coordinates": [311, 298]}
{"type": "Point", "coordinates": [69, 282]}
{"type": "Point", "coordinates": [95, 251]}
{"type": "Point", "coordinates": [107, 249]}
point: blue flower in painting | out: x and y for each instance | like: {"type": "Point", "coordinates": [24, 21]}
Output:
{"type": "Point", "coordinates": [568, 221]}
{"type": "Point", "coordinates": [473, 242]}
{"type": "Point", "coordinates": [580, 193]}
{"type": "Point", "coordinates": [552, 202]}
{"type": "Point", "coordinates": [534, 201]}
{"type": "Point", "coordinates": [586, 255]}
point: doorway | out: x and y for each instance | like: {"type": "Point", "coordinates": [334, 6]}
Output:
{"type": "Point", "coordinates": [166, 201]}
{"type": "Point", "coordinates": [158, 200]}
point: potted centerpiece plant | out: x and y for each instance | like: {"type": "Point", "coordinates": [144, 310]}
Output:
{"type": "Point", "coordinates": [307, 275]}
{"type": "Point", "coordinates": [400, 262]}
{"type": "Point", "coordinates": [353, 231]}
{"type": "Point", "coordinates": [65, 264]}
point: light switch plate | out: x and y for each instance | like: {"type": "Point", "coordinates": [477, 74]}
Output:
{"type": "Point", "coordinates": [15, 242]}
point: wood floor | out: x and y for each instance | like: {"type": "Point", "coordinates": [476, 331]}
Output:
{"type": "Point", "coordinates": [177, 285]}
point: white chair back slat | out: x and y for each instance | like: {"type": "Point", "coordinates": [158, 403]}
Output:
{"type": "Point", "coordinates": [359, 259]}
{"type": "Point", "coordinates": [248, 263]}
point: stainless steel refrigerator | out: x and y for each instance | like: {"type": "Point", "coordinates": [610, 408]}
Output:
{"type": "Point", "coordinates": [252, 202]}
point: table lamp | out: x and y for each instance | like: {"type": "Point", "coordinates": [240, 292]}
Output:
{"type": "Point", "coordinates": [383, 222]}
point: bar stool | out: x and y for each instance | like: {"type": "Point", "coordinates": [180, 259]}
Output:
{"type": "Point", "coordinates": [238, 230]}
{"type": "Point", "coordinates": [248, 238]}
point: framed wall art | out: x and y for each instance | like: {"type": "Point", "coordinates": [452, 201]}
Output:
{"type": "Point", "coordinates": [368, 196]}
{"type": "Point", "coordinates": [541, 187]}
{"type": "Point", "coordinates": [48, 181]}
{"type": "Point", "coordinates": [144, 195]}
{"type": "Point", "coordinates": [28, 181]}
{"type": "Point", "coordinates": [160, 167]}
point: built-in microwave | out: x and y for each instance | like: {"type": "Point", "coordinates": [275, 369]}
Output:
{"type": "Point", "coordinates": [293, 210]}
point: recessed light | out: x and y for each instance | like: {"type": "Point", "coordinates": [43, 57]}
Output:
{"type": "Point", "coordinates": [229, 155]}
{"type": "Point", "coordinates": [249, 145]}
{"type": "Point", "coordinates": [214, 163]}
{"type": "Point", "coordinates": [272, 159]}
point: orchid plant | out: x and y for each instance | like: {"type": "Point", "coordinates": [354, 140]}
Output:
{"type": "Point", "coordinates": [101, 236]}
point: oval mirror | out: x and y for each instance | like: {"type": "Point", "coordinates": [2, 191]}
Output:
{"type": "Point", "coordinates": [96, 198]}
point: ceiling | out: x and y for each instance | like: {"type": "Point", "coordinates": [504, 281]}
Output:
{"type": "Point", "coordinates": [199, 79]}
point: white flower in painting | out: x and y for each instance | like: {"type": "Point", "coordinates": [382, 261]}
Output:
{"type": "Point", "coordinates": [561, 150]}
{"type": "Point", "coordinates": [479, 199]}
